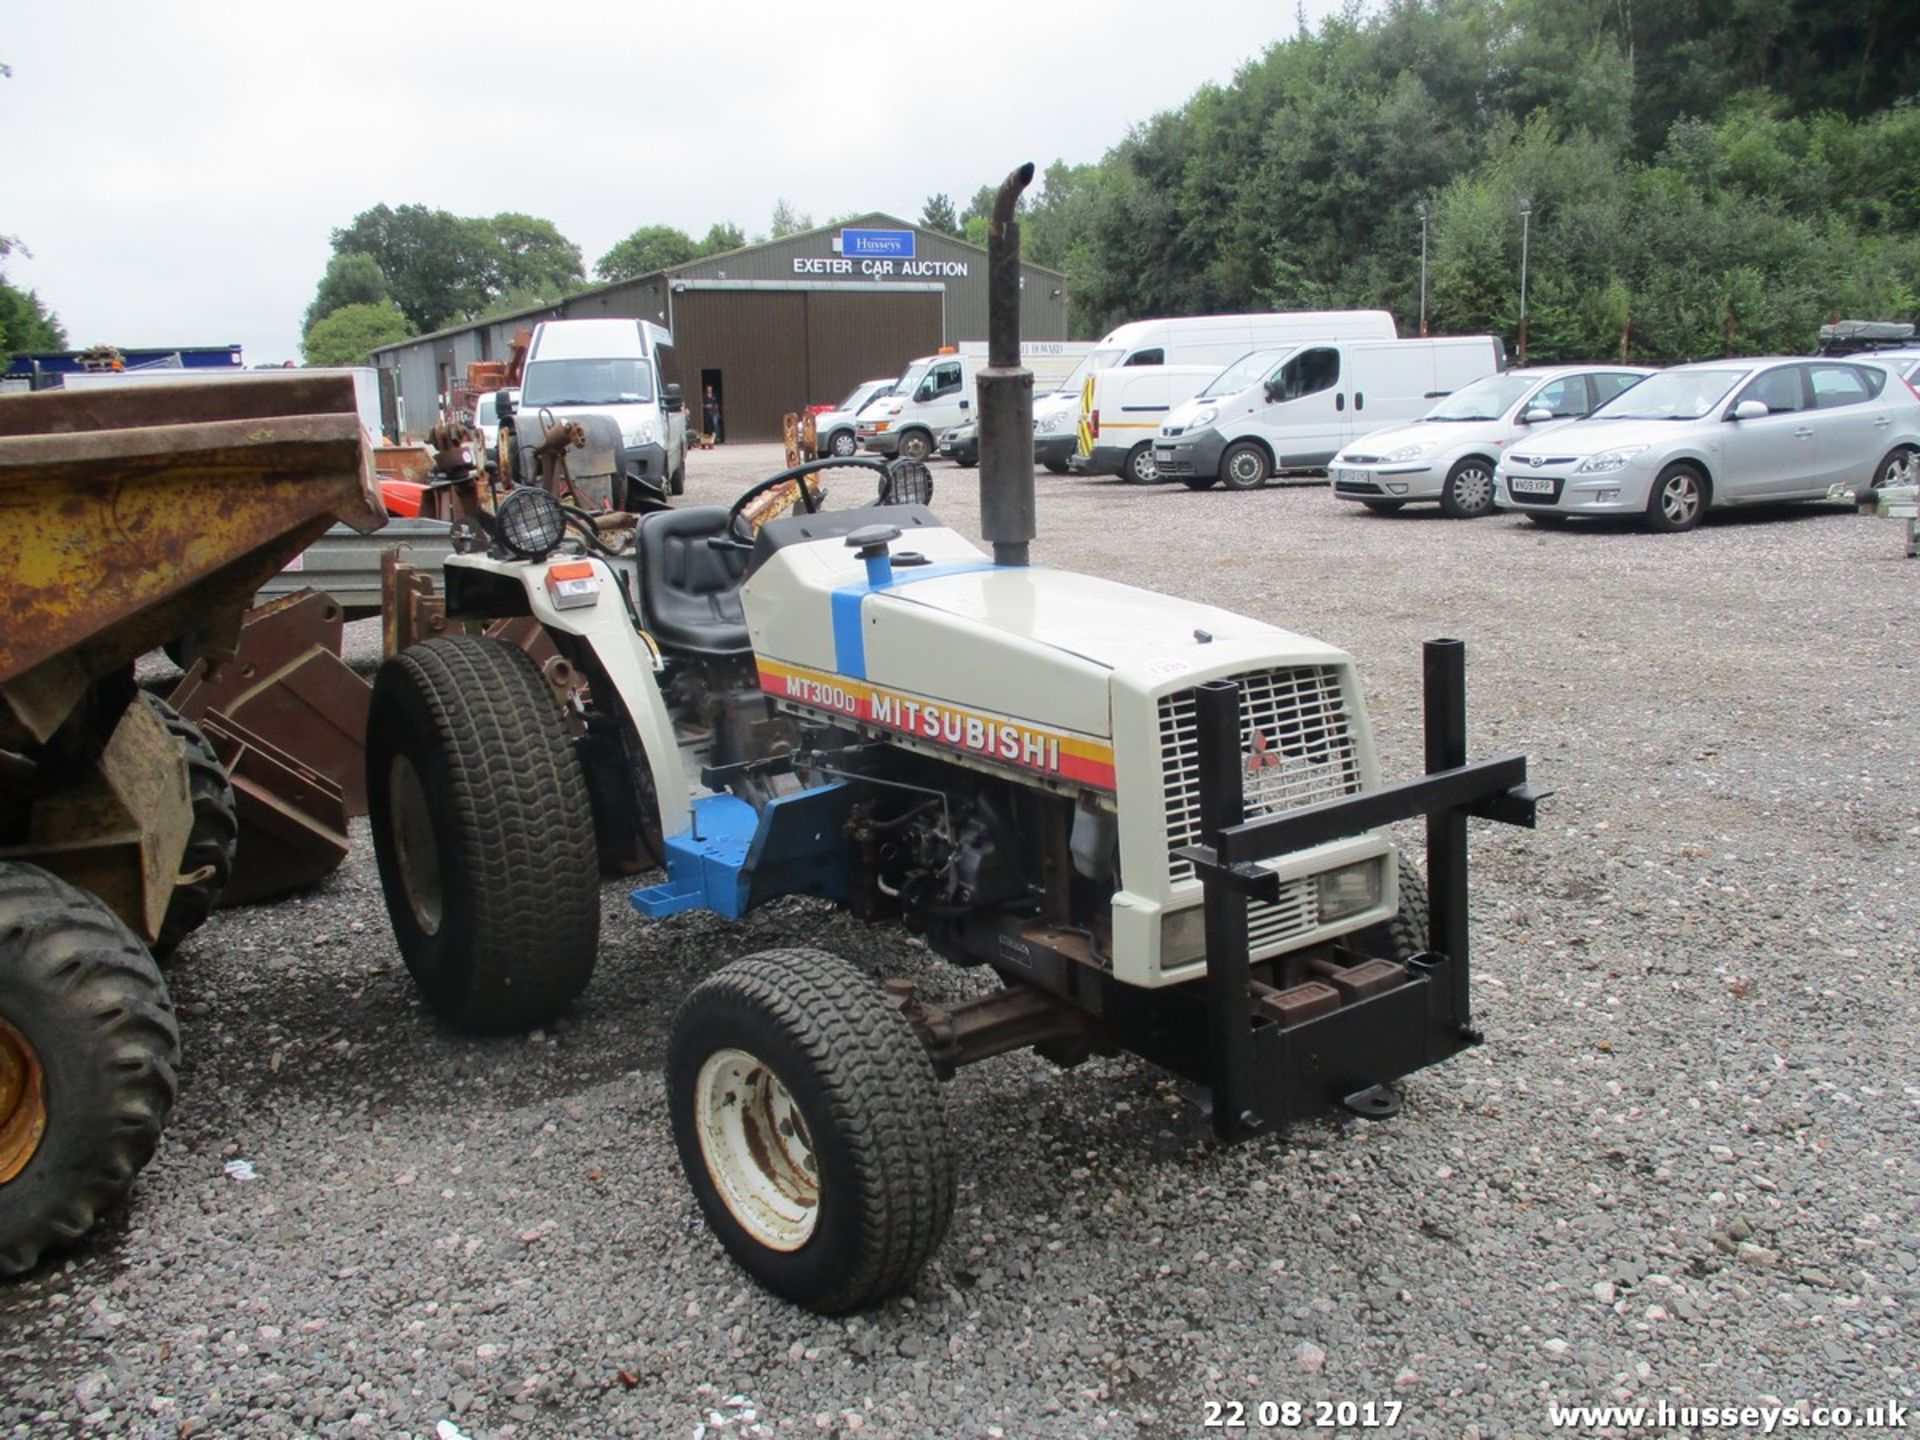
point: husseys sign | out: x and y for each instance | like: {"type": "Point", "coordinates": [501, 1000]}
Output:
{"type": "Point", "coordinates": [1037, 749]}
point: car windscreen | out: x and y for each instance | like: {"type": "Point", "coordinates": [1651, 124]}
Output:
{"type": "Point", "coordinates": [860, 395]}
{"type": "Point", "coordinates": [1676, 395]}
{"type": "Point", "coordinates": [911, 377]}
{"type": "Point", "coordinates": [1247, 371]}
{"type": "Point", "coordinates": [1076, 377]}
{"type": "Point", "coordinates": [1486, 399]}
{"type": "Point", "coordinates": [483, 410]}
{"type": "Point", "coordinates": [586, 382]}
{"type": "Point", "coordinates": [1105, 359]}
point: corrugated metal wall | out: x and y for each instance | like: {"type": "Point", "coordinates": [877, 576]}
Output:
{"type": "Point", "coordinates": [802, 325]}
{"type": "Point", "coordinates": [781, 350]}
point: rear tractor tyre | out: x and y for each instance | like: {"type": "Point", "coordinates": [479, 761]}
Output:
{"type": "Point", "coordinates": [1468, 493]}
{"type": "Point", "coordinates": [1245, 466]}
{"type": "Point", "coordinates": [207, 862]}
{"type": "Point", "coordinates": [809, 1123]}
{"type": "Point", "coordinates": [89, 1051]}
{"type": "Point", "coordinates": [483, 830]}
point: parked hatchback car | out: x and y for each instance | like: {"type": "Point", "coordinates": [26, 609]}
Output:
{"type": "Point", "coordinates": [1449, 453]}
{"type": "Point", "coordinates": [1721, 432]}
{"type": "Point", "coordinates": [961, 444]}
{"type": "Point", "coordinates": [835, 427]}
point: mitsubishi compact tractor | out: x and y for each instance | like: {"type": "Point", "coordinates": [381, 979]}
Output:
{"type": "Point", "coordinates": [1158, 822]}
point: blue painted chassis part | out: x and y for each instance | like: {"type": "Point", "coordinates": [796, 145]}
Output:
{"type": "Point", "coordinates": [733, 860]}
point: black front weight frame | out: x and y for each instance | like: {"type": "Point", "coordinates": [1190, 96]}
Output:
{"type": "Point", "coordinates": [1265, 1074]}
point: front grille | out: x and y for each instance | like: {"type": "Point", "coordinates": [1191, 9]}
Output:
{"type": "Point", "coordinates": [1172, 430]}
{"type": "Point", "coordinates": [1295, 742]}
{"type": "Point", "coordinates": [1356, 459]}
{"type": "Point", "coordinates": [1356, 487]}
{"type": "Point", "coordinates": [1297, 912]}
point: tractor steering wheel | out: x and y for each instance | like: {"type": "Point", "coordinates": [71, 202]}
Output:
{"type": "Point", "coordinates": [739, 532]}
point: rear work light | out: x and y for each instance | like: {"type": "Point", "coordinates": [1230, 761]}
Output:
{"type": "Point", "coordinates": [1093, 424]}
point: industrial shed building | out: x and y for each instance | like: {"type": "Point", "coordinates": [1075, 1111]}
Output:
{"type": "Point", "coordinates": [772, 327]}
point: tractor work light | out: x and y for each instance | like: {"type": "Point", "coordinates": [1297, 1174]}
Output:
{"type": "Point", "coordinates": [907, 482]}
{"type": "Point", "coordinates": [530, 522]}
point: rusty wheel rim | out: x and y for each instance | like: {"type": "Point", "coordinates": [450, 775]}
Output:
{"type": "Point", "coordinates": [758, 1150]}
{"type": "Point", "coordinates": [23, 1102]}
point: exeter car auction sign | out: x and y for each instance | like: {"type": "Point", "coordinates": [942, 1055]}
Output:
{"type": "Point", "coordinates": [878, 255]}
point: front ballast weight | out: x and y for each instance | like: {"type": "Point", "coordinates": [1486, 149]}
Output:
{"type": "Point", "coordinates": [1271, 1057]}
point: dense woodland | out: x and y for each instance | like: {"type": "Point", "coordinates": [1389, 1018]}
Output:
{"type": "Point", "coordinates": [1704, 176]}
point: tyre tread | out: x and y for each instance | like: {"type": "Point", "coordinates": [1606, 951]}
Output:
{"type": "Point", "coordinates": [60, 941]}
{"type": "Point", "coordinates": [882, 1091]}
{"type": "Point", "coordinates": [526, 823]}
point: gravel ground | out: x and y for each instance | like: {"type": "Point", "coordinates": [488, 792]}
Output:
{"type": "Point", "coordinates": [1683, 1166]}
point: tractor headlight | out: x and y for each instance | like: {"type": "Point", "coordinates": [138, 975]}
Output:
{"type": "Point", "coordinates": [530, 522]}
{"type": "Point", "coordinates": [1349, 890]}
{"type": "Point", "coordinates": [907, 482]}
{"type": "Point", "coordinates": [1183, 936]}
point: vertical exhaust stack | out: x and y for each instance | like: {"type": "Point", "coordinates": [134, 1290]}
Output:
{"type": "Point", "coordinates": [1005, 390]}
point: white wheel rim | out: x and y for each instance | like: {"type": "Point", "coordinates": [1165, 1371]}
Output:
{"type": "Point", "coordinates": [415, 848]}
{"type": "Point", "coordinates": [1246, 468]}
{"type": "Point", "coordinates": [758, 1151]}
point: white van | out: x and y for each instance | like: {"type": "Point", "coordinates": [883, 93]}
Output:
{"type": "Point", "coordinates": [1120, 414]}
{"type": "Point", "coordinates": [620, 369]}
{"type": "Point", "coordinates": [1115, 435]}
{"type": "Point", "coordinates": [1294, 407]}
{"type": "Point", "coordinates": [1219, 340]}
{"type": "Point", "coordinates": [934, 394]}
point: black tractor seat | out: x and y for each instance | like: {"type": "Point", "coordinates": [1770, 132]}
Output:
{"type": "Point", "coordinates": [690, 591]}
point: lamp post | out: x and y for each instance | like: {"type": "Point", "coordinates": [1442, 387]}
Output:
{"type": "Point", "coordinates": [1422, 208]}
{"type": "Point", "coordinates": [1526, 215]}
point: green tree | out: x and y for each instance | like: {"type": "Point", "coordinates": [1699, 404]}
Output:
{"type": "Point", "coordinates": [351, 334]}
{"type": "Point", "coordinates": [786, 220]}
{"type": "Point", "coordinates": [533, 257]}
{"type": "Point", "coordinates": [722, 236]}
{"type": "Point", "coordinates": [938, 214]}
{"type": "Point", "coordinates": [351, 279]}
{"type": "Point", "coordinates": [25, 323]}
{"type": "Point", "coordinates": [650, 248]}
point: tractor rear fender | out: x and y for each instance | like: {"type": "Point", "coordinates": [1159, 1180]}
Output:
{"type": "Point", "coordinates": [625, 654]}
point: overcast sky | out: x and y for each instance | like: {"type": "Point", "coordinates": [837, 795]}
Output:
{"type": "Point", "coordinates": [176, 170]}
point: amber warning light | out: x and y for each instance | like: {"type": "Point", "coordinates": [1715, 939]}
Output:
{"type": "Point", "coordinates": [572, 585]}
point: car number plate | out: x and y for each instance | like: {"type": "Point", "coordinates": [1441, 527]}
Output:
{"type": "Point", "coordinates": [1530, 484]}
{"type": "Point", "coordinates": [1163, 452]}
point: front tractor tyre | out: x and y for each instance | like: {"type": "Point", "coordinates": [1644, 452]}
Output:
{"type": "Point", "coordinates": [89, 1051]}
{"type": "Point", "coordinates": [483, 831]}
{"type": "Point", "coordinates": [810, 1126]}
{"type": "Point", "coordinates": [1245, 466]}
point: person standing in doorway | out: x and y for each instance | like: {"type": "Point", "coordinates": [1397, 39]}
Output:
{"type": "Point", "coordinates": [710, 411]}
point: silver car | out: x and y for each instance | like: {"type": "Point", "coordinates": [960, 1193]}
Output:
{"type": "Point", "coordinates": [1722, 432]}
